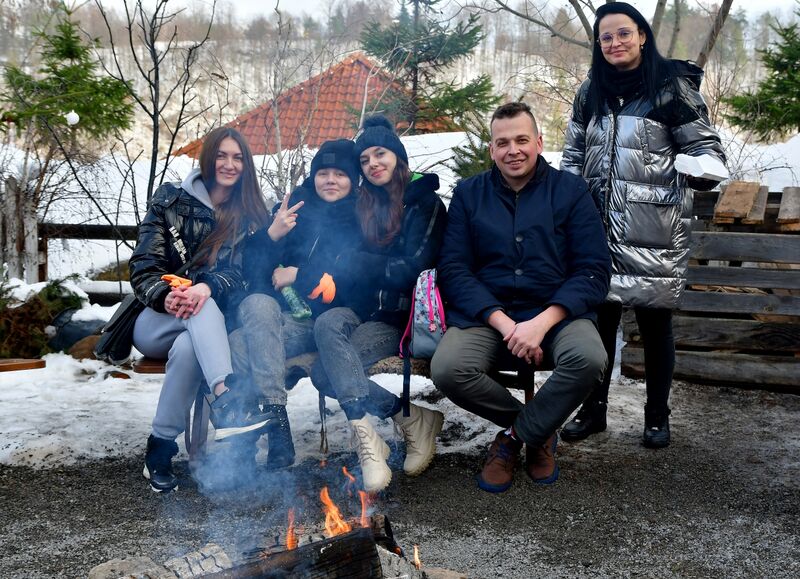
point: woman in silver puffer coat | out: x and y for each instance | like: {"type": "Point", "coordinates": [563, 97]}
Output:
{"type": "Point", "coordinates": [630, 119]}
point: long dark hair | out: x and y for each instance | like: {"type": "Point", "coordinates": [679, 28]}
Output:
{"type": "Point", "coordinates": [244, 208]}
{"type": "Point", "coordinates": [656, 70]}
{"type": "Point", "coordinates": [380, 209]}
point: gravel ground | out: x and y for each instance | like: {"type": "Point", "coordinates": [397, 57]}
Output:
{"type": "Point", "coordinates": [722, 501]}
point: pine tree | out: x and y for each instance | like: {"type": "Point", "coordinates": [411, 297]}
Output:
{"type": "Point", "coordinates": [773, 110]}
{"type": "Point", "coordinates": [473, 157]}
{"type": "Point", "coordinates": [66, 81]}
{"type": "Point", "coordinates": [418, 49]}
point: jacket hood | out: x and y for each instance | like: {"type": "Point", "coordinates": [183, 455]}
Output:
{"type": "Point", "coordinates": [421, 185]}
{"type": "Point", "coordinates": [194, 186]}
{"type": "Point", "coordinates": [688, 70]}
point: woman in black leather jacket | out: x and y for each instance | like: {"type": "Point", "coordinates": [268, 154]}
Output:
{"type": "Point", "coordinates": [202, 220]}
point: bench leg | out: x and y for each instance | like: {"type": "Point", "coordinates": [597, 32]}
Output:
{"type": "Point", "coordinates": [196, 442]}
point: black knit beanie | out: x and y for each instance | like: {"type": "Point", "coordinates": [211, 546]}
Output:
{"type": "Point", "coordinates": [379, 132]}
{"type": "Point", "coordinates": [336, 154]}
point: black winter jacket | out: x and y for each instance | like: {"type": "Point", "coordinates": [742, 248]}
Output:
{"type": "Point", "coordinates": [323, 231]}
{"type": "Point", "coordinates": [381, 279]}
{"type": "Point", "coordinates": [522, 252]}
{"type": "Point", "coordinates": [158, 251]}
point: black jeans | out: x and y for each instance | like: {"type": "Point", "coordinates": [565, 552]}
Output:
{"type": "Point", "coordinates": [655, 326]}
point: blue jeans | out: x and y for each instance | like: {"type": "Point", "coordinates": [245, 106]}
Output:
{"type": "Point", "coordinates": [347, 348]}
{"type": "Point", "coordinates": [265, 338]}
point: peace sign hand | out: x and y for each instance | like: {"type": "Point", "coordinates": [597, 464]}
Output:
{"type": "Point", "coordinates": [285, 219]}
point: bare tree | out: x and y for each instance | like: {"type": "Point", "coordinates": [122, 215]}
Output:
{"type": "Point", "coordinates": [713, 33]}
{"type": "Point", "coordinates": [537, 12]}
{"type": "Point", "coordinates": [673, 42]}
{"type": "Point", "coordinates": [156, 50]}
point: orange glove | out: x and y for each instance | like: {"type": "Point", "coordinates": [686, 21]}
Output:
{"type": "Point", "coordinates": [326, 287]}
{"type": "Point", "coordinates": [176, 281]}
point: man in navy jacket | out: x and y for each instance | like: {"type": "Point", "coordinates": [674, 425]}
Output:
{"type": "Point", "coordinates": [523, 263]}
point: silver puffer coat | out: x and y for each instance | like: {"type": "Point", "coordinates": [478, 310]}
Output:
{"type": "Point", "coordinates": [627, 158]}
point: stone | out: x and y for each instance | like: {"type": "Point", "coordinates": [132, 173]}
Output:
{"type": "Point", "coordinates": [209, 559]}
{"type": "Point", "coordinates": [83, 348]}
{"type": "Point", "coordinates": [133, 567]}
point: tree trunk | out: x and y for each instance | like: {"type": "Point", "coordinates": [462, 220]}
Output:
{"type": "Point", "coordinates": [675, 30]}
{"type": "Point", "coordinates": [658, 16]}
{"type": "Point", "coordinates": [713, 34]}
{"type": "Point", "coordinates": [20, 235]}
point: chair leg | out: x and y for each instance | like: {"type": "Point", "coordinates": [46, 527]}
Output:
{"type": "Point", "coordinates": [196, 446]}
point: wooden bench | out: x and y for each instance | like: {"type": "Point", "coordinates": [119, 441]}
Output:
{"type": "Point", "coordinates": [196, 432]}
{"type": "Point", "coordinates": [12, 364]}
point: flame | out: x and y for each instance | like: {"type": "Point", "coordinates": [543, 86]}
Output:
{"type": "Point", "coordinates": [364, 508]}
{"type": "Point", "coordinates": [350, 484]}
{"type": "Point", "coordinates": [291, 535]}
{"type": "Point", "coordinates": [417, 562]}
{"type": "Point", "coordinates": [334, 523]}
{"type": "Point", "coordinates": [350, 477]}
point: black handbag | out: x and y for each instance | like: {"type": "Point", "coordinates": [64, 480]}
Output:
{"type": "Point", "coordinates": [116, 340]}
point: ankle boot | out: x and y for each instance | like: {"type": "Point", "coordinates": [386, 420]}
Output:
{"type": "Point", "coordinates": [372, 454]}
{"type": "Point", "coordinates": [158, 464]}
{"type": "Point", "coordinates": [420, 430]}
{"type": "Point", "coordinates": [280, 447]}
{"type": "Point", "coordinates": [656, 428]}
{"type": "Point", "coordinates": [591, 418]}
{"type": "Point", "coordinates": [542, 467]}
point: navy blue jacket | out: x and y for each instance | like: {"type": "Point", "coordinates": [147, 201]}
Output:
{"type": "Point", "coordinates": [323, 231]}
{"type": "Point", "coordinates": [383, 278]}
{"type": "Point", "coordinates": [522, 252]}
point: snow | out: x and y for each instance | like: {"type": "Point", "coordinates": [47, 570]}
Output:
{"type": "Point", "coordinates": [74, 410]}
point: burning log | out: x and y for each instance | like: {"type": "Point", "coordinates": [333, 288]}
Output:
{"type": "Point", "coordinates": [352, 554]}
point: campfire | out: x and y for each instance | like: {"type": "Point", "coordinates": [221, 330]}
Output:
{"type": "Point", "coordinates": [355, 547]}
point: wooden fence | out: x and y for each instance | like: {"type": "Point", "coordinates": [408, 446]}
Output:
{"type": "Point", "coordinates": [739, 321]}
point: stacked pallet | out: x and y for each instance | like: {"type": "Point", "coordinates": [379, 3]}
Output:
{"type": "Point", "coordinates": [739, 320]}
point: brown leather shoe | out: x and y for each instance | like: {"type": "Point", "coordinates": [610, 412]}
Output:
{"type": "Point", "coordinates": [542, 467]}
{"type": "Point", "coordinates": [498, 470]}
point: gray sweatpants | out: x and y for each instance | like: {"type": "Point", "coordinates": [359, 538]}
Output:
{"type": "Point", "coordinates": [465, 358]}
{"type": "Point", "coordinates": [196, 349]}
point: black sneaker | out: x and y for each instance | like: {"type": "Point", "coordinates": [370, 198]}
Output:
{"type": "Point", "coordinates": [158, 464]}
{"type": "Point", "coordinates": [233, 414]}
{"type": "Point", "coordinates": [280, 451]}
{"type": "Point", "coordinates": [656, 429]}
{"type": "Point", "coordinates": [591, 418]}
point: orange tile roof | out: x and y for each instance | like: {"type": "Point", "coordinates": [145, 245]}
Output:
{"type": "Point", "coordinates": [321, 108]}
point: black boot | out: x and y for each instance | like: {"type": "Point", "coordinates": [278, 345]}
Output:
{"type": "Point", "coordinates": [590, 418]}
{"type": "Point", "coordinates": [656, 428]}
{"type": "Point", "coordinates": [158, 464]}
{"type": "Point", "coordinates": [280, 448]}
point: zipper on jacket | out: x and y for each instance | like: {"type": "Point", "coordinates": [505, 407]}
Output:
{"type": "Point", "coordinates": [610, 167]}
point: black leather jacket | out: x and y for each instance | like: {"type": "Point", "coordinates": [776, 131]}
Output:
{"type": "Point", "coordinates": [159, 251]}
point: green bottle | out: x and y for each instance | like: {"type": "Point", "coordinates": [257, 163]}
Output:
{"type": "Point", "coordinates": [298, 306]}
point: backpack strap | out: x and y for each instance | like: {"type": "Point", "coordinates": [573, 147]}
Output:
{"type": "Point", "coordinates": [406, 397]}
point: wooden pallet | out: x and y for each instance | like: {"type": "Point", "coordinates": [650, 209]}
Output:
{"type": "Point", "coordinates": [739, 320]}
{"type": "Point", "coordinates": [747, 203]}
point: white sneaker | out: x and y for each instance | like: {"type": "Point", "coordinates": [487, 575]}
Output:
{"type": "Point", "coordinates": [372, 454]}
{"type": "Point", "coordinates": [420, 430]}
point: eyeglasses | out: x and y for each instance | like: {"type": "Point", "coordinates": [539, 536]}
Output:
{"type": "Point", "coordinates": [623, 34]}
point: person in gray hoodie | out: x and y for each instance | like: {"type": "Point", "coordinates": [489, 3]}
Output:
{"type": "Point", "coordinates": [201, 220]}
